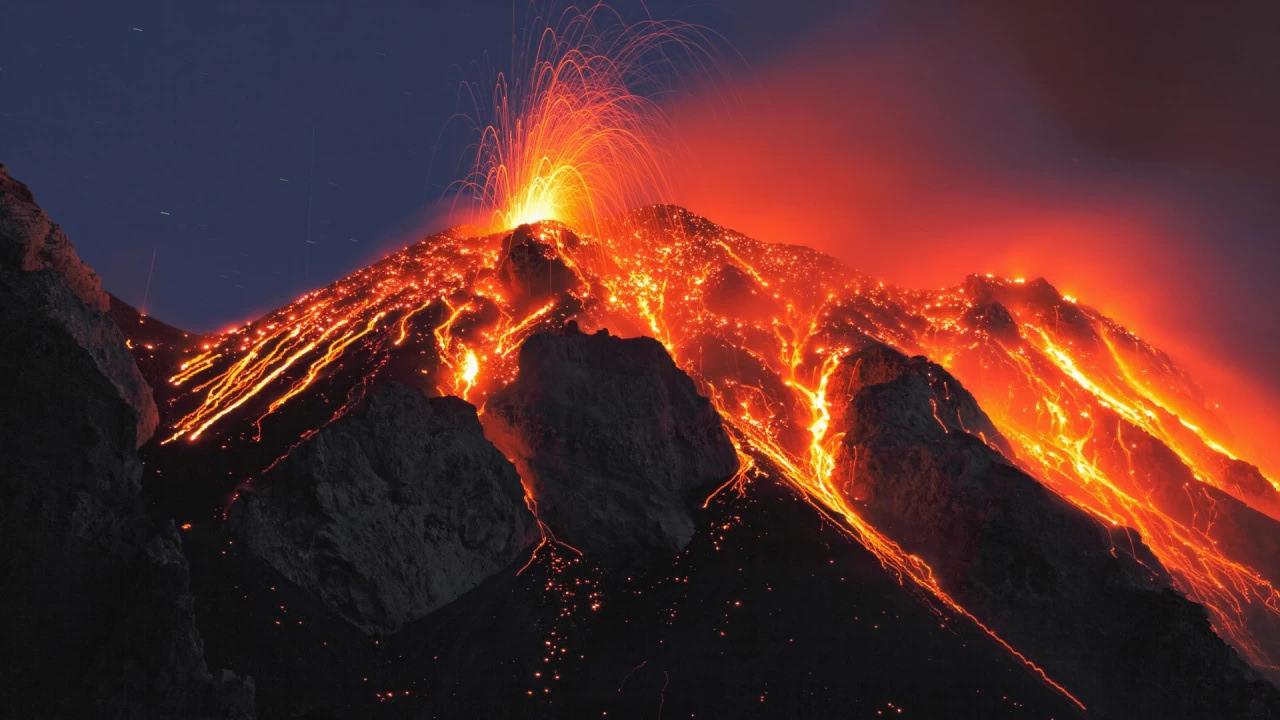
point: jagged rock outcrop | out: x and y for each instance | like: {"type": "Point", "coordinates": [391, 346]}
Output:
{"type": "Point", "coordinates": [993, 319]}
{"type": "Point", "coordinates": [947, 406]}
{"type": "Point", "coordinates": [530, 265]}
{"type": "Point", "coordinates": [397, 508]}
{"type": "Point", "coordinates": [31, 241]}
{"type": "Point", "coordinates": [95, 617]}
{"type": "Point", "coordinates": [33, 245]}
{"type": "Point", "coordinates": [614, 440]}
{"type": "Point", "coordinates": [1092, 606]}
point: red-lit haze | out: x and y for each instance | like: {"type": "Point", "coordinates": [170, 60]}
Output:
{"type": "Point", "coordinates": [916, 152]}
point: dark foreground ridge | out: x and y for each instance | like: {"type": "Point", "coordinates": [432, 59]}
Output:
{"type": "Point", "coordinates": [96, 616]}
{"type": "Point", "coordinates": [391, 564]}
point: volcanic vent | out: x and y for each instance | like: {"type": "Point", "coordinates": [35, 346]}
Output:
{"type": "Point", "coordinates": [1055, 489]}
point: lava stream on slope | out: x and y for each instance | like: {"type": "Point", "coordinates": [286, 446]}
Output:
{"type": "Point", "coordinates": [1098, 416]}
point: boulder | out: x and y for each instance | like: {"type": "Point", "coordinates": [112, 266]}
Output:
{"type": "Point", "coordinates": [394, 510]}
{"type": "Point", "coordinates": [530, 265]}
{"type": "Point", "coordinates": [614, 441]}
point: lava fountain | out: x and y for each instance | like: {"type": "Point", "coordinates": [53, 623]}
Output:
{"type": "Point", "coordinates": [566, 136]}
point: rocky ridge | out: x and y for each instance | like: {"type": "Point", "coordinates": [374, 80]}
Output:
{"type": "Point", "coordinates": [1090, 603]}
{"type": "Point", "coordinates": [97, 617]}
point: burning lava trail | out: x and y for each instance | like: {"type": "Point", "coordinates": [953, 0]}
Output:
{"type": "Point", "coordinates": [1101, 418]}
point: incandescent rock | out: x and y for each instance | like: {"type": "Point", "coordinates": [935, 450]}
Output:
{"type": "Point", "coordinates": [95, 617]}
{"type": "Point", "coordinates": [57, 284]}
{"type": "Point", "coordinates": [390, 512]}
{"type": "Point", "coordinates": [615, 441]}
{"type": "Point", "coordinates": [1091, 605]}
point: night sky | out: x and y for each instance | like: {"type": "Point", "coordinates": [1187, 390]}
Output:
{"type": "Point", "coordinates": [257, 149]}
{"type": "Point", "coordinates": [221, 136]}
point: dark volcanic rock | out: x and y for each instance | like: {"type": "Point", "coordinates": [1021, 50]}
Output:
{"type": "Point", "coordinates": [157, 348]}
{"type": "Point", "coordinates": [30, 241]}
{"type": "Point", "coordinates": [1036, 297]}
{"type": "Point", "coordinates": [733, 292]}
{"type": "Point", "coordinates": [768, 613]}
{"type": "Point", "coordinates": [615, 441]}
{"type": "Point", "coordinates": [390, 512]}
{"type": "Point", "coordinates": [95, 616]}
{"type": "Point", "coordinates": [531, 267]}
{"type": "Point", "coordinates": [947, 406]}
{"type": "Point", "coordinates": [994, 319]}
{"type": "Point", "coordinates": [69, 293]}
{"type": "Point", "coordinates": [1247, 479]}
{"type": "Point", "coordinates": [1091, 606]}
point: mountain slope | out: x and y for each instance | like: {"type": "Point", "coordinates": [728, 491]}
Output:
{"type": "Point", "coordinates": [763, 330]}
{"type": "Point", "coordinates": [96, 617]}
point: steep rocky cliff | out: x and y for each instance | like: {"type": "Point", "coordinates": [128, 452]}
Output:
{"type": "Point", "coordinates": [52, 273]}
{"type": "Point", "coordinates": [96, 617]}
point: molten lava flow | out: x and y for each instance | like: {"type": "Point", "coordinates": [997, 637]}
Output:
{"type": "Point", "coordinates": [1103, 419]}
{"type": "Point", "coordinates": [1091, 410]}
{"type": "Point", "coordinates": [815, 483]}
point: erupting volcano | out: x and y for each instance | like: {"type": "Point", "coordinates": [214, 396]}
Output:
{"type": "Point", "coordinates": [775, 336]}
{"type": "Point", "coordinates": [590, 454]}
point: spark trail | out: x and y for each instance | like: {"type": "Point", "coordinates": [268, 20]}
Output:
{"type": "Point", "coordinates": [564, 136]}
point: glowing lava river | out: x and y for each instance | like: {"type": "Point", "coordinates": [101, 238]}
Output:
{"type": "Point", "coordinates": [1097, 416]}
